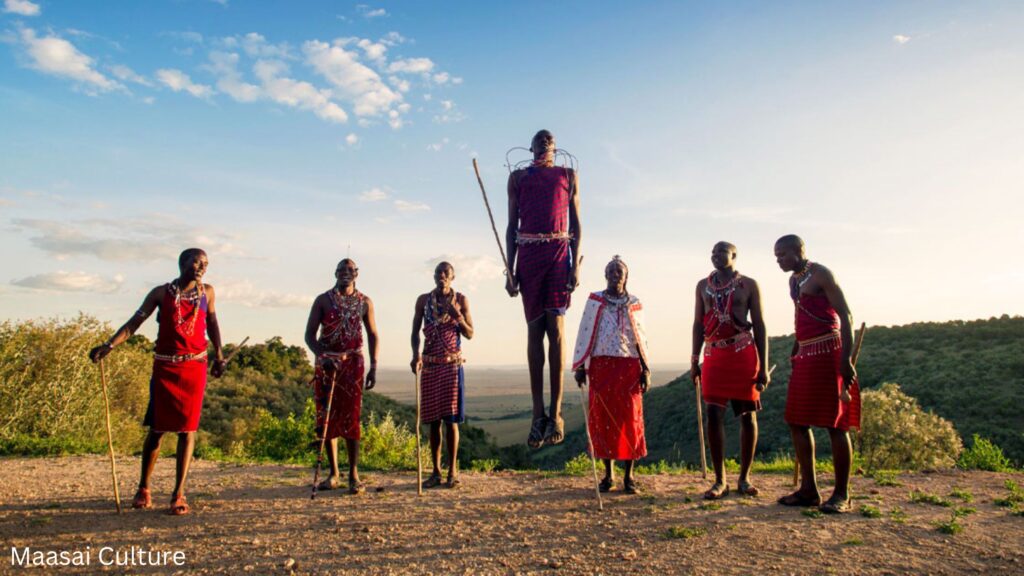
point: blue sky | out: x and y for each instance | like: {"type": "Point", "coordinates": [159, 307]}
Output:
{"type": "Point", "coordinates": [283, 136]}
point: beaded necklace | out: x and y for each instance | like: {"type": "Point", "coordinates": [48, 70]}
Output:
{"type": "Point", "coordinates": [350, 311]}
{"type": "Point", "coordinates": [438, 308]}
{"type": "Point", "coordinates": [797, 281]}
{"type": "Point", "coordinates": [721, 296]}
{"type": "Point", "coordinates": [193, 297]}
{"type": "Point", "coordinates": [619, 308]}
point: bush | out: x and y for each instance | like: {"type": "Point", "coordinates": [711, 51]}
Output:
{"type": "Point", "coordinates": [51, 399]}
{"type": "Point", "coordinates": [983, 455]}
{"type": "Point", "coordinates": [896, 433]}
{"type": "Point", "coordinates": [487, 465]}
{"type": "Point", "coordinates": [385, 445]}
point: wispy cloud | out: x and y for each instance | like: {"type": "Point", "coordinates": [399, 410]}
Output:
{"type": "Point", "coordinates": [373, 195]}
{"type": "Point", "coordinates": [71, 282]}
{"type": "Point", "coordinates": [407, 206]}
{"type": "Point", "coordinates": [370, 12]}
{"type": "Point", "coordinates": [58, 57]}
{"type": "Point", "coordinates": [178, 81]}
{"type": "Point", "coordinates": [225, 66]}
{"type": "Point", "coordinates": [901, 39]}
{"type": "Point", "coordinates": [247, 294]}
{"type": "Point", "coordinates": [126, 74]}
{"type": "Point", "coordinates": [296, 93]}
{"type": "Point", "coordinates": [21, 7]}
{"type": "Point", "coordinates": [352, 139]}
{"type": "Point", "coordinates": [411, 66]}
{"type": "Point", "coordinates": [145, 239]}
{"type": "Point", "coordinates": [438, 146]}
{"type": "Point", "coordinates": [350, 78]}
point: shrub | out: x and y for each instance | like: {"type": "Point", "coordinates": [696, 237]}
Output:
{"type": "Point", "coordinates": [51, 399]}
{"type": "Point", "coordinates": [387, 445]}
{"type": "Point", "coordinates": [486, 465]}
{"type": "Point", "coordinates": [896, 433]}
{"type": "Point", "coordinates": [869, 511]}
{"type": "Point", "coordinates": [582, 466]}
{"type": "Point", "coordinates": [919, 497]}
{"type": "Point", "coordinates": [685, 532]}
{"type": "Point", "coordinates": [984, 455]}
{"type": "Point", "coordinates": [952, 527]}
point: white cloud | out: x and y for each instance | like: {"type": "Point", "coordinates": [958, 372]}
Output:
{"type": "Point", "coordinates": [369, 12]}
{"type": "Point", "coordinates": [449, 113]}
{"type": "Point", "coordinates": [71, 282]}
{"type": "Point", "coordinates": [177, 80]}
{"type": "Point", "coordinates": [400, 84]}
{"type": "Point", "coordinates": [59, 57]}
{"type": "Point", "coordinates": [373, 195]}
{"type": "Point", "coordinates": [248, 295]}
{"type": "Point", "coordinates": [470, 270]}
{"type": "Point", "coordinates": [353, 79]}
{"type": "Point", "coordinates": [126, 74]}
{"type": "Point", "coordinates": [225, 65]}
{"type": "Point", "coordinates": [406, 206]}
{"type": "Point", "coordinates": [143, 239]}
{"type": "Point", "coordinates": [352, 139]}
{"type": "Point", "coordinates": [395, 120]}
{"type": "Point", "coordinates": [21, 7]}
{"type": "Point", "coordinates": [295, 93]}
{"type": "Point", "coordinates": [901, 39]}
{"type": "Point", "coordinates": [442, 78]}
{"type": "Point", "coordinates": [374, 50]}
{"type": "Point", "coordinates": [256, 46]}
{"type": "Point", "coordinates": [447, 104]}
{"type": "Point", "coordinates": [393, 39]}
{"type": "Point", "coordinates": [411, 66]}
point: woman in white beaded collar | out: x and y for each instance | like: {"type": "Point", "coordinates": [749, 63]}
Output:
{"type": "Point", "coordinates": [611, 352]}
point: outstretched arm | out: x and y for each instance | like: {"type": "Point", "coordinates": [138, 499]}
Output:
{"type": "Point", "coordinates": [213, 331]}
{"type": "Point", "coordinates": [149, 304]}
{"type": "Point", "coordinates": [511, 247]}
{"type": "Point", "coordinates": [371, 338]}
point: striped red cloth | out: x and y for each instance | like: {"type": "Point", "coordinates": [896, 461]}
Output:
{"type": "Point", "coordinates": [442, 384]}
{"type": "Point", "coordinates": [542, 268]}
{"type": "Point", "coordinates": [176, 389]}
{"type": "Point", "coordinates": [616, 411]}
{"type": "Point", "coordinates": [815, 385]}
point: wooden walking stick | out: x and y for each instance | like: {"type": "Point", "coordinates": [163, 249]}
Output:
{"type": "Point", "coordinates": [323, 434]}
{"type": "Point", "coordinates": [844, 396]}
{"type": "Point", "coordinates": [590, 445]}
{"type": "Point", "coordinates": [110, 437]}
{"type": "Point", "coordinates": [700, 431]}
{"type": "Point", "coordinates": [504, 260]}
{"type": "Point", "coordinates": [233, 352]}
{"type": "Point", "coordinates": [419, 460]}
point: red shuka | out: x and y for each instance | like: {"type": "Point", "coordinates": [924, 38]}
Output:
{"type": "Point", "coordinates": [176, 388]}
{"type": "Point", "coordinates": [543, 267]}
{"type": "Point", "coordinates": [728, 372]}
{"type": "Point", "coordinates": [616, 414]}
{"type": "Point", "coordinates": [815, 385]}
{"type": "Point", "coordinates": [341, 334]}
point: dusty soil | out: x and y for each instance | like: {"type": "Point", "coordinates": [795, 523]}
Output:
{"type": "Point", "coordinates": [259, 519]}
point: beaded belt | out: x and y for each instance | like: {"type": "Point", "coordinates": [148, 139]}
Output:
{"type": "Point", "coordinates": [827, 342]}
{"type": "Point", "coordinates": [341, 356]}
{"type": "Point", "coordinates": [527, 238]}
{"type": "Point", "coordinates": [446, 359]}
{"type": "Point", "coordinates": [177, 358]}
{"type": "Point", "coordinates": [741, 341]}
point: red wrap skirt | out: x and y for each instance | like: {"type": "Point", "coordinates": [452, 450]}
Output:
{"type": "Point", "coordinates": [813, 398]}
{"type": "Point", "coordinates": [176, 396]}
{"type": "Point", "coordinates": [729, 375]}
{"type": "Point", "coordinates": [616, 413]}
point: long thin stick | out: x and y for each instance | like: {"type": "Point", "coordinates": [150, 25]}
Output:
{"type": "Point", "coordinates": [110, 438]}
{"type": "Point", "coordinates": [590, 445]}
{"type": "Point", "coordinates": [235, 351]}
{"type": "Point", "coordinates": [419, 460]}
{"type": "Point", "coordinates": [700, 431]}
{"type": "Point", "coordinates": [323, 434]}
{"type": "Point", "coordinates": [504, 259]}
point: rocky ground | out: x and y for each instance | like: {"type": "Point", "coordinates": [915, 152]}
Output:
{"type": "Point", "coordinates": [259, 519]}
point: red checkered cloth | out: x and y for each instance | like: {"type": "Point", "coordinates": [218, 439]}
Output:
{"type": "Point", "coordinates": [342, 336]}
{"type": "Point", "coordinates": [441, 382]}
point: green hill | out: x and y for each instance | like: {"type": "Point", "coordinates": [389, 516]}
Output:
{"type": "Point", "coordinates": [971, 373]}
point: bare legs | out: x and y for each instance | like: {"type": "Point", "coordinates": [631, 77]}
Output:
{"type": "Point", "coordinates": [842, 457]}
{"type": "Point", "coordinates": [716, 440]}
{"type": "Point", "coordinates": [352, 449]}
{"type": "Point", "coordinates": [451, 444]}
{"type": "Point", "coordinates": [183, 458]}
{"type": "Point", "coordinates": [551, 326]}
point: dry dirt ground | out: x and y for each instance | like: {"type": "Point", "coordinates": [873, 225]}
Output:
{"type": "Point", "coordinates": [259, 519]}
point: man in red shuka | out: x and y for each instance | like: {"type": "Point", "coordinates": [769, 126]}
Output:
{"type": "Point", "coordinates": [735, 355]}
{"type": "Point", "coordinates": [543, 240]}
{"type": "Point", "coordinates": [822, 372]}
{"type": "Point", "coordinates": [186, 313]}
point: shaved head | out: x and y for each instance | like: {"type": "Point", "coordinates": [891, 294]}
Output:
{"type": "Point", "coordinates": [726, 245]}
{"type": "Point", "coordinates": [790, 241]}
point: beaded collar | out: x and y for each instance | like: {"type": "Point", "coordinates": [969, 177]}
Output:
{"type": "Point", "coordinates": [186, 326]}
{"type": "Point", "coordinates": [798, 279]}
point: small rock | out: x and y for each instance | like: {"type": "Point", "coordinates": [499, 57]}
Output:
{"type": "Point", "coordinates": [629, 555]}
{"type": "Point", "coordinates": [289, 564]}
